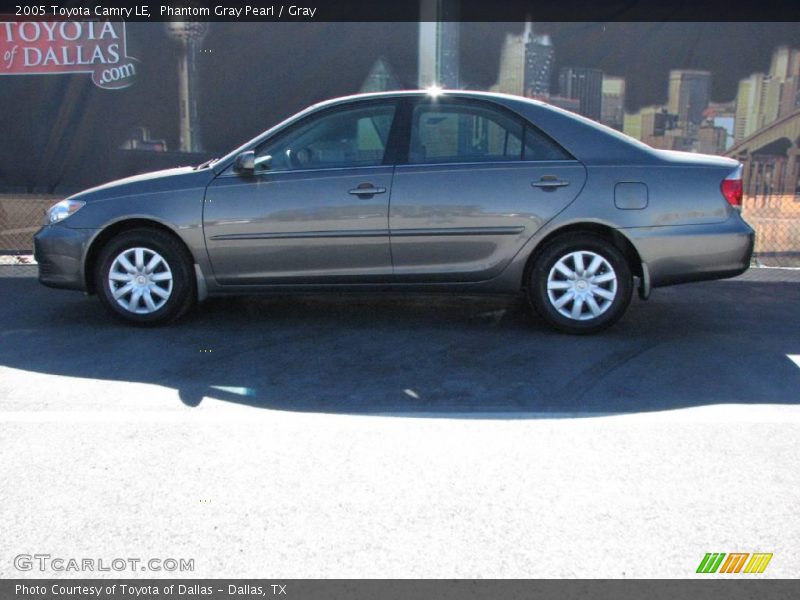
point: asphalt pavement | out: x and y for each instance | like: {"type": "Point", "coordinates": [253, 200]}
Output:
{"type": "Point", "coordinates": [403, 435]}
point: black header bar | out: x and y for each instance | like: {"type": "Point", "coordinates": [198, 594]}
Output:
{"type": "Point", "coordinates": [403, 10]}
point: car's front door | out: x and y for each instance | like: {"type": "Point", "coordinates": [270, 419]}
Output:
{"type": "Point", "coordinates": [315, 210]}
{"type": "Point", "coordinates": [478, 183]}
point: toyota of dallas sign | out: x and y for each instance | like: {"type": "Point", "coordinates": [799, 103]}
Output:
{"type": "Point", "coordinates": [96, 47]}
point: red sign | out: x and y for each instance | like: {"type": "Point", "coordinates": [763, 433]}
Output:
{"type": "Point", "coordinates": [96, 47]}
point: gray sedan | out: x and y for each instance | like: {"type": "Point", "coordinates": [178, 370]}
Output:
{"type": "Point", "coordinates": [448, 192]}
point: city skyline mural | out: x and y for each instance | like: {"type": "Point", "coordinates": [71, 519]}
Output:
{"type": "Point", "coordinates": [622, 72]}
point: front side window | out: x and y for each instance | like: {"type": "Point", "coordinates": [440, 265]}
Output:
{"type": "Point", "coordinates": [453, 133]}
{"type": "Point", "coordinates": [355, 137]}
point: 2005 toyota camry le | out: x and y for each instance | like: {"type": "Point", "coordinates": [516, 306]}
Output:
{"type": "Point", "coordinates": [438, 192]}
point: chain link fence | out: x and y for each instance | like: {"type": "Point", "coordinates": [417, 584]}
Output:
{"type": "Point", "coordinates": [21, 215]}
{"type": "Point", "coordinates": [776, 219]}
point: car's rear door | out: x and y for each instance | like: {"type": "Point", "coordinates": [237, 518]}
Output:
{"type": "Point", "coordinates": [479, 181]}
{"type": "Point", "coordinates": [316, 208]}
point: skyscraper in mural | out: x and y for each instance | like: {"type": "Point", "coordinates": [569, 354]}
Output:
{"type": "Point", "coordinates": [765, 97]}
{"type": "Point", "coordinates": [438, 44]}
{"type": "Point", "coordinates": [612, 108]}
{"type": "Point", "coordinates": [748, 106]}
{"type": "Point", "coordinates": [689, 95]}
{"type": "Point", "coordinates": [585, 85]}
{"type": "Point", "coordinates": [381, 78]}
{"type": "Point", "coordinates": [526, 63]}
{"type": "Point", "coordinates": [539, 55]}
{"type": "Point", "coordinates": [188, 34]}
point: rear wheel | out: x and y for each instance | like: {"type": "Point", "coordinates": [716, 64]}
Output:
{"type": "Point", "coordinates": [580, 284]}
{"type": "Point", "coordinates": [144, 277]}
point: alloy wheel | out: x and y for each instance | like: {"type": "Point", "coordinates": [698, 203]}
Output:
{"type": "Point", "coordinates": [140, 280]}
{"type": "Point", "coordinates": [582, 285]}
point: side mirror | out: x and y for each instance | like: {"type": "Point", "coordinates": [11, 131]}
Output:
{"type": "Point", "coordinates": [245, 163]}
{"type": "Point", "coordinates": [263, 163]}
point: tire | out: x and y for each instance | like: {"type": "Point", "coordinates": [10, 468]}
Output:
{"type": "Point", "coordinates": [160, 292]}
{"type": "Point", "coordinates": [572, 299]}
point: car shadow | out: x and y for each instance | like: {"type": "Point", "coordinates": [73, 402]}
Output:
{"type": "Point", "coordinates": [425, 355]}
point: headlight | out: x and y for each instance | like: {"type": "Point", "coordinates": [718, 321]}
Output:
{"type": "Point", "coordinates": [61, 210]}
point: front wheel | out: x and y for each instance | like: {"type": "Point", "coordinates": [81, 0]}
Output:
{"type": "Point", "coordinates": [580, 284]}
{"type": "Point", "coordinates": [144, 277]}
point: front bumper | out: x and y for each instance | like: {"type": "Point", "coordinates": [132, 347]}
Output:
{"type": "Point", "coordinates": [685, 253]}
{"type": "Point", "coordinates": [60, 252]}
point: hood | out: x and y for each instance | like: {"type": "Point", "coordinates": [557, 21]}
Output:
{"type": "Point", "coordinates": [156, 181]}
{"type": "Point", "coordinates": [693, 159]}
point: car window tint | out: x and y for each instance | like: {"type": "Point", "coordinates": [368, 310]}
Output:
{"type": "Point", "coordinates": [348, 138]}
{"type": "Point", "coordinates": [442, 133]}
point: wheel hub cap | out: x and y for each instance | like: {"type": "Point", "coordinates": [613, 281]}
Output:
{"type": "Point", "coordinates": [140, 280]}
{"type": "Point", "coordinates": [582, 285]}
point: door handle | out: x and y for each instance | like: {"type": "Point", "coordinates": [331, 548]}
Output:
{"type": "Point", "coordinates": [367, 189]}
{"type": "Point", "coordinates": [548, 183]}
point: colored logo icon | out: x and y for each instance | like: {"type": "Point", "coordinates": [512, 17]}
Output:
{"type": "Point", "coordinates": [736, 562]}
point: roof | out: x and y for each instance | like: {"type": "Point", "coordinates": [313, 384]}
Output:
{"type": "Point", "coordinates": [434, 93]}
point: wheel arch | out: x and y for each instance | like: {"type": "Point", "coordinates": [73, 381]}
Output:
{"type": "Point", "coordinates": [112, 230]}
{"type": "Point", "coordinates": [608, 233]}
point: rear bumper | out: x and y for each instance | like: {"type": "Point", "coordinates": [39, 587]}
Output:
{"type": "Point", "coordinates": [685, 253]}
{"type": "Point", "coordinates": [60, 251]}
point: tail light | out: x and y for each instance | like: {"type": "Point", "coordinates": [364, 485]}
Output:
{"type": "Point", "coordinates": [732, 188]}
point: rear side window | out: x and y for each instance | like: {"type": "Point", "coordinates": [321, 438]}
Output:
{"type": "Point", "coordinates": [463, 133]}
{"type": "Point", "coordinates": [540, 147]}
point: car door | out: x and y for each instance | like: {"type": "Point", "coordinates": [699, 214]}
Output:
{"type": "Point", "coordinates": [314, 210]}
{"type": "Point", "coordinates": [479, 182]}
